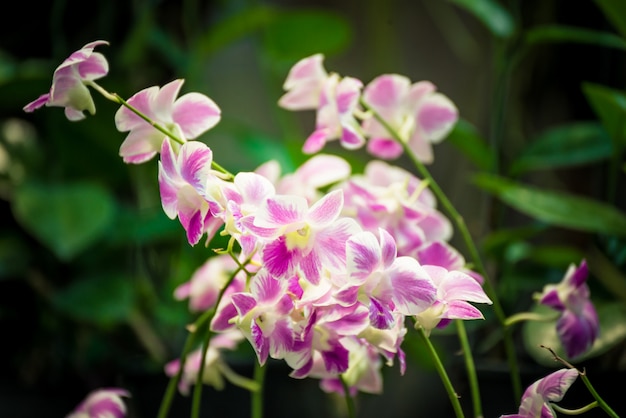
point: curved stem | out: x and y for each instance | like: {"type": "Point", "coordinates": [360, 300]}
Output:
{"type": "Point", "coordinates": [116, 98]}
{"type": "Point", "coordinates": [471, 247]}
{"type": "Point", "coordinates": [257, 396]}
{"type": "Point", "coordinates": [166, 402]}
{"type": "Point", "coordinates": [454, 399]}
{"type": "Point", "coordinates": [529, 316]}
{"type": "Point", "coordinates": [349, 398]}
{"type": "Point", "coordinates": [471, 368]}
{"type": "Point", "coordinates": [601, 403]}
{"type": "Point", "coordinates": [197, 390]}
{"type": "Point", "coordinates": [578, 411]}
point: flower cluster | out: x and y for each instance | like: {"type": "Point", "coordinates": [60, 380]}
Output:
{"type": "Point", "coordinates": [324, 267]}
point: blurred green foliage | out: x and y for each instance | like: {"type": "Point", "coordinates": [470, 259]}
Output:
{"type": "Point", "coordinates": [89, 261]}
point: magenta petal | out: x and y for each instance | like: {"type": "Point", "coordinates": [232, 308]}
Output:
{"type": "Point", "coordinates": [195, 113]}
{"type": "Point", "coordinates": [265, 287]}
{"type": "Point", "coordinates": [436, 116]}
{"type": "Point", "coordinates": [362, 255]}
{"type": "Point", "coordinates": [413, 291]}
{"type": "Point", "coordinates": [385, 148]}
{"type": "Point", "coordinates": [316, 141]}
{"type": "Point", "coordinates": [37, 103]}
{"type": "Point", "coordinates": [243, 302]}
{"type": "Point", "coordinates": [380, 316]}
{"type": "Point", "coordinates": [336, 359]}
{"type": "Point", "coordinates": [327, 209]}
{"type": "Point", "coordinates": [195, 160]}
{"type": "Point", "coordinates": [278, 260]}
{"type": "Point", "coordinates": [554, 386]}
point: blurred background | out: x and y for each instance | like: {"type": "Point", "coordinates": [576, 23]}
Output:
{"type": "Point", "coordinates": [89, 261]}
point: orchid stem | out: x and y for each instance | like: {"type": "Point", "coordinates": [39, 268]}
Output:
{"type": "Point", "coordinates": [454, 398]}
{"type": "Point", "coordinates": [471, 368]}
{"type": "Point", "coordinates": [116, 98]}
{"type": "Point", "coordinates": [349, 398]}
{"type": "Point", "coordinates": [205, 318]}
{"type": "Point", "coordinates": [469, 242]}
{"type": "Point", "coordinates": [257, 396]}
{"type": "Point", "coordinates": [197, 390]}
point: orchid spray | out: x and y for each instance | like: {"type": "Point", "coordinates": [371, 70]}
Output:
{"type": "Point", "coordinates": [325, 269]}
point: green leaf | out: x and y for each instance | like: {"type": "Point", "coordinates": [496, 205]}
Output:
{"type": "Point", "coordinates": [610, 106]}
{"type": "Point", "coordinates": [294, 35]}
{"type": "Point", "coordinates": [556, 208]}
{"type": "Point", "coordinates": [67, 218]}
{"type": "Point", "coordinates": [14, 256]}
{"type": "Point", "coordinates": [560, 33]}
{"type": "Point", "coordinates": [569, 145]}
{"type": "Point", "coordinates": [104, 300]}
{"type": "Point", "coordinates": [466, 138]}
{"type": "Point", "coordinates": [496, 242]}
{"type": "Point", "coordinates": [612, 317]}
{"type": "Point", "coordinates": [234, 27]}
{"type": "Point", "coordinates": [615, 12]}
{"type": "Point", "coordinates": [141, 227]}
{"type": "Point", "coordinates": [495, 17]}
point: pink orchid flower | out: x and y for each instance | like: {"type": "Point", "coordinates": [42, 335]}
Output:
{"type": "Point", "coordinates": [537, 399]}
{"type": "Point", "coordinates": [186, 118]}
{"type": "Point", "coordinates": [206, 282]}
{"type": "Point", "coordinates": [455, 291]}
{"type": "Point", "coordinates": [304, 84]}
{"type": "Point", "coordinates": [105, 402]}
{"type": "Point", "coordinates": [393, 199]}
{"type": "Point", "coordinates": [336, 98]}
{"type": "Point", "coordinates": [183, 179]}
{"type": "Point", "coordinates": [319, 171]}
{"type": "Point", "coordinates": [383, 281]}
{"type": "Point", "coordinates": [578, 327]}
{"type": "Point", "coordinates": [416, 112]}
{"type": "Point", "coordinates": [364, 373]}
{"type": "Point", "coordinates": [215, 367]}
{"type": "Point", "coordinates": [69, 83]}
{"type": "Point", "coordinates": [299, 238]}
{"type": "Point", "coordinates": [335, 115]}
{"type": "Point", "coordinates": [264, 316]}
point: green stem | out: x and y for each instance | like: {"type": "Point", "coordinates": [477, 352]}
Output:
{"type": "Point", "coordinates": [349, 398]}
{"type": "Point", "coordinates": [469, 242]}
{"type": "Point", "coordinates": [197, 390]}
{"type": "Point", "coordinates": [601, 403]}
{"type": "Point", "coordinates": [166, 402]}
{"type": "Point", "coordinates": [471, 368]}
{"type": "Point", "coordinates": [454, 399]}
{"type": "Point", "coordinates": [578, 411]}
{"type": "Point", "coordinates": [205, 318]}
{"type": "Point", "coordinates": [529, 316]}
{"type": "Point", "coordinates": [257, 396]}
{"type": "Point", "coordinates": [116, 98]}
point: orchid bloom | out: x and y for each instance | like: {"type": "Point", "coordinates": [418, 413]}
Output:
{"type": "Point", "coordinates": [440, 253]}
{"type": "Point", "coordinates": [392, 198]}
{"type": "Point", "coordinates": [70, 80]}
{"type": "Point", "coordinates": [304, 84]}
{"type": "Point", "coordinates": [309, 86]}
{"type": "Point", "coordinates": [537, 399]}
{"type": "Point", "coordinates": [215, 367]}
{"type": "Point", "coordinates": [299, 237]}
{"type": "Point", "coordinates": [363, 374]}
{"type": "Point", "coordinates": [335, 115]}
{"type": "Point", "coordinates": [183, 179]}
{"type": "Point", "coordinates": [578, 325]}
{"type": "Point", "coordinates": [185, 118]}
{"type": "Point", "coordinates": [416, 112]}
{"type": "Point", "coordinates": [319, 171]}
{"type": "Point", "coordinates": [206, 283]}
{"type": "Point", "coordinates": [384, 282]}
{"type": "Point", "coordinates": [320, 345]}
{"type": "Point", "coordinates": [102, 403]}
{"type": "Point", "coordinates": [455, 290]}
{"type": "Point", "coordinates": [263, 316]}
